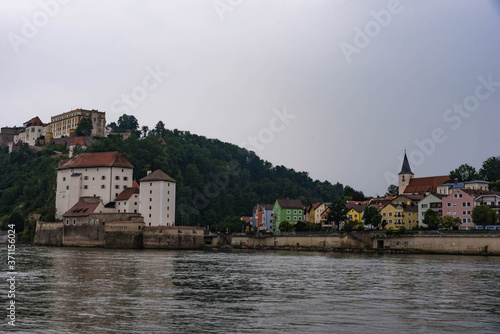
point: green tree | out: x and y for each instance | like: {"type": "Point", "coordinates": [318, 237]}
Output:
{"type": "Point", "coordinates": [354, 194]}
{"type": "Point", "coordinates": [285, 226]}
{"type": "Point", "coordinates": [337, 212]}
{"type": "Point", "coordinates": [450, 223]}
{"type": "Point", "coordinates": [464, 173]}
{"type": "Point", "coordinates": [392, 190]}
{"type": "Point", "coordinates": [431, 219]}
{"type": "Point", "coordinates": [16, 219]}
{"type": "Point", "coordinates": [484, 215]}
{"type": "Point", "coordinates": [372, 217]}
{"type": "Point", "coordinates": [84, 127]}
{"type": "Point", "coordinates": [145, 131]}
{"type": "Point", "coordinates": [494, 185]}
{"type": "Point", "coordinates": [128, 122]}
{"type": "Point", "coordinates": [490, 170]}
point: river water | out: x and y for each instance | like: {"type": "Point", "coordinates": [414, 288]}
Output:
{"type": "Point", "coordinates": [91, 290]}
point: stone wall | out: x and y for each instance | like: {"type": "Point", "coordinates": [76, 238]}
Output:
{"type": "Point", "coordinates": [173, 237]}
{"type": "Point", "coordinates": [459, 244]}
{"type": "Point", "coordinates": [49, 234]}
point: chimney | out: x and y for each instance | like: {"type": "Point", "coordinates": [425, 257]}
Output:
{"type": "Point", "coordinates": [149, 172]}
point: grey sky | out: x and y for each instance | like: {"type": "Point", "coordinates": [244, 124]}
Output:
{"type": "Point", "coordinates": [233, 65]}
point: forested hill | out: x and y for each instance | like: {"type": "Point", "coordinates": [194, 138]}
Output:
{"type": "Point", "coordinates": [215, 180]}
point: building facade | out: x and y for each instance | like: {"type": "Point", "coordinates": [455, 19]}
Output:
{"type": "Point", "coordinates": [157, 199]}
{"type": "Point", "coordinates": [433, 202]}
{"type": "Point", "coordinates": [459, 204]}
{"type": "Point", "coordinates": [291, 210]}
{"type": "Point", "coordinates": [66, 123]}
{"type": "Point", "coordinates": [104, 175]}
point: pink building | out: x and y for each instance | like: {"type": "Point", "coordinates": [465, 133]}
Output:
{"type": "Point", "coordinates": [459, 203]}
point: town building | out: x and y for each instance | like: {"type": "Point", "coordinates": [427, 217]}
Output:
{"type": "Point", "coordinates": [490, 198]}
{"type": "Point", "coordinates": [66, 123]}
{"type": "Point", "coordinates": [157, 199]}
{"type": "Point", "coordinates": [291, 210]}
{"type": "Point", "coordinates": [459, 204]}
{"type": "Point", "coordinates": [34, 129]}
{"type": "Point", "coordinates": [408, 184]}
{"type": "Point", "coordinates": [433, 202]}
{"type": "Point", "coordinates": [355, 212]}
{"type": "Point", "coordinates": [103, 174]}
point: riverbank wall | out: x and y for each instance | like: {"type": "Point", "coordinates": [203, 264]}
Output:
{"type": "Point", "coordinates": [117, 234]}
{"type": "Point", "coordinates": [475, 244]}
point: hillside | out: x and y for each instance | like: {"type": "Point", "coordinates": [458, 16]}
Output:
{"type": "Point", "coordinates": [215, 179]}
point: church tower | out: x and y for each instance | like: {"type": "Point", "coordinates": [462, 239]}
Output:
{"type": "Point", "coordinates": [405, 175]}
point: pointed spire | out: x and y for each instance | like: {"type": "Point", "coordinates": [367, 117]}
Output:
{"type": "Point", "coordinates": [405, 169]}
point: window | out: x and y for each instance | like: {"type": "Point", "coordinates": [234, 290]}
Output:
{"type": "Point", "coordinates": [74, 221]}
{"type": "Point", "coordinates": [390, 214]}
{"type": "Point", "coordinates": [103, 186]}
{"type": "Point", "coordinates": [67, 187]}
{"type": "Point", "coordinates": [124, 187]}
{"type": "Point", "coordinates": [151, 191]}
{"type": "Point", "coordinates": [288, 212]}
{"type": "Point", "coordinates": [150, 184]}
{"type": "Point", "coordinates": [117, 187]}
{"type": "Point", "coordinates": [103, 177]}
{"type": "Point", "coordinates": [125, 178]}
{"type": "Point", "coordinates": [150, 199]}
{"type": "Point", "coordinates": [294, 212]}
{"type": "Point", "coordinates": [64, 178]}
{"type": "Point", "coordinates": [425, 206]}
{"type": "Point", "coordinates": [150, 207]}
{"type": "Point", "coordinates": [85, 187]}
{"type": "Point", "coordinates": [383, 214]}
{"type": "Point", "coordinates": [288, 218]}
{"type": "Point", "coordinates": [117, 178]}
{"type": "Point", "coordinates": [453, 204]}
{"type": "Point", "coordinates": [85, 177]}
{"type": "Point", "coordinates": [149, 215]}
{"type": "Point", "coordinates": [135, 203]}
{"type": "Point", "coordinates": [448, 204]}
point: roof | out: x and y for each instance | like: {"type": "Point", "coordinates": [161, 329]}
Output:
{"type": "Point", "coordinates": [247, 219]}
{"type": "Point", "coordinates": [405, 169]}
{"type": "Point", "coordinates": [157, 175]}
{"type": "Point", "coordinates": [290, 203]}
{"type": "Point", "coordinates": [101, 159]}
{"type": "Point", "coordinates": [78, 141]}
{"type": "Point", "coordinates": [356, 207]}
{"type": "Point", "coordinates": [268, 206]}
{"type": "Point", "coordinates": [126, 194]}
{"type": "Point", "coordinates": [413, 197]}
{"type": "Point", "coordinates": [425, 184]}
{"type": "Point", "coordinates": [477, 181]}
{"type": "Point", "coordinates": [472, 192]}
{"type": "Point", "coordinates": [135, 185]}
{"type": "Point", "coordinates": [84, 207]}
{"type": "Point", "coordinates": [35, 121]}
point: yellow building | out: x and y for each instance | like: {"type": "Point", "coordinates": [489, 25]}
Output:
{"type": "Point", "coordinates": [409, 204]}
{"type": "Point", "coordinates": [64, 124]}
{"type": "Point", "coordinates": [355, 212]}
{"type": "Point", "coordinates": [392, 216]}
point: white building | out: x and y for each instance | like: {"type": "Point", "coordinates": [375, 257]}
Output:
{"type": "Point", "coordinates": [157, 199]}
{"type": "Point", "coordinates": [103, 175]}
{"type": "Point", "coordinates": [33, 129]}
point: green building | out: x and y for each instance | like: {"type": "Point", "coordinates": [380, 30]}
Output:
{"type": "Point", "coordinates": [291, 210]}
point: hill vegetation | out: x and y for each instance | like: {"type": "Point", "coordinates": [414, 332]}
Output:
{"type": "Point", "coordinates": [217, 182]}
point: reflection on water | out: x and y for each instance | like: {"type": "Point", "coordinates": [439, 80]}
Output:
{"type": "Point", "coordinates": [78, 290]}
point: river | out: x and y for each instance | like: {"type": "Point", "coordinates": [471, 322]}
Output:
{"type": "Point", "coordinates": [92, 290]}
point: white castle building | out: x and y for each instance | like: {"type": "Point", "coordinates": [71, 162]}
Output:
{"type": "Point", "coordinates": [109, 177]}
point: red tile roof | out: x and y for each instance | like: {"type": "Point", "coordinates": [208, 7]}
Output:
{"type": "Point", "coordinates": [101, 159]}
{"type": "Point", "coordinates": [157, 175]}
{"type": "Point", "coordinates": [126, 194]}
{"type": "Point", "coordinates": [84, 207]}
{"type": "Point", "coordinates": [425, 184]}
{"type": "Point", "coordinates": [35, 121]}
{"type": "Point", "coordinates": [135, 185]}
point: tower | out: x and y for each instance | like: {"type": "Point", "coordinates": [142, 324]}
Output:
{"type": "Point", "coordinates": [405, 175]}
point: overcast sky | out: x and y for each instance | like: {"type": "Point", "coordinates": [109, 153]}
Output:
{"type": "Point", "coordinates": [335, 88]}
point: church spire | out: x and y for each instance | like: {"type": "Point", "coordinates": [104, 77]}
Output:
{"type": "Point", "coordinates": [405, 169]}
